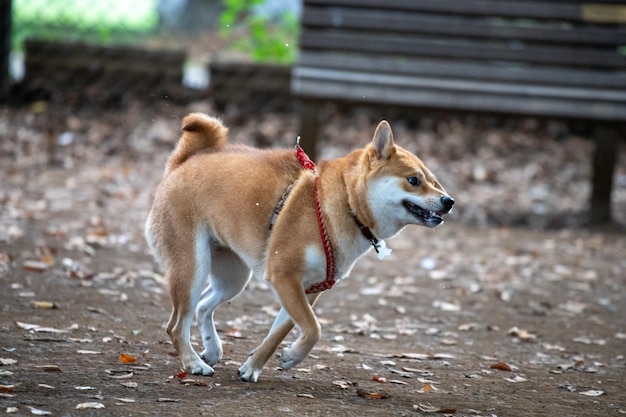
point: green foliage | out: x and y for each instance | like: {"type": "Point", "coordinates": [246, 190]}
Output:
{"type": "Point", "coordinates": [264, 39]}
{"type": "Point", "coordinates": [97, 21]}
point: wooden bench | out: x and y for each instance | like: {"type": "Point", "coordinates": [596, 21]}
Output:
{"type": "Point", "coordinates": [559, 58]}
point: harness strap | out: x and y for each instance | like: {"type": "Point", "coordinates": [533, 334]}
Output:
{"type": "Point", "coordinates": [329, 252]}
{"type": "Point", "coordinates": [281, 203]}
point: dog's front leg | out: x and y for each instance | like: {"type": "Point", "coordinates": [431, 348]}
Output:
{"type": "Point", "coordinates": [257, 359]}
{"type": "Point", "coordinates": [295, 302]}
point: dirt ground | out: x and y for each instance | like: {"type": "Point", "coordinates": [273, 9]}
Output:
{"type": "Point", "coordinates": [510, 309]}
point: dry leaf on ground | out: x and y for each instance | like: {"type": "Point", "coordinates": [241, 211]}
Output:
{"type": "Point", "coordinates": [427, 408]}
{"type": "Point", "coordinates": [126, 358]}
{"type": "Point", "coordinates": [49, 368]}
{"type": "Point", "coordinates": [89, 405]}
{"type": "Point", "coordinates": [503, 366]}
{"type": "Point", "coordinates": [371, 395]}
{"type": "Point", "coordinates": [39, 412]}
{"type": "Point", "coordinates": [593, 393]}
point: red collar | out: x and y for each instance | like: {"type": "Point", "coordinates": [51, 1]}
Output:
{"type": "Point", "coordinates": [328, 283]}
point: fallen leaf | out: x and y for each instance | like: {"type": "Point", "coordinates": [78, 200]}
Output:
{"type": "Point", "coordinates": [38, 328]}
{"type": "Point", "coordinates": [467, 327]}
{"type": "Point", "coordinates": [12, 410]}
{"type": "Point", "coordinates": [427, 408]}
{"type": "Point", "coordinates": [35, 266]}
{"type": "Point", "coordinates": [503, 366]}
{"type": "Point", "coordinates": [7, 361]}
{"type": "Point", "coordinates": [397, 382]}
{"type": "Point", "coordinates": [522, 334]}
{"type": "Point", "coordinates": [380, 379]}
{"type": "Point", "coordinates": [516, 378]}
{"type": "Point", "coordinates": [371, 395]}
{"type": "Point", "coordinates": [342, 349]}
{"type": "Point", "coordinates": [342, 384]}
{"type": "Point", "coordinates": [305, 396]}
{"type": "Point", "coordinates": [84, 388]}
{"type": "Point", "coordinates": [589, 341]}
{"type": "Point", "coordinates": [49, 368]}
{"type": "Point", "coordinates": [168, 400]}
{"type": "Point", "coordinates": [125, 400]}
{"type": "Point", "coordinates": [80, 340]}
{"type": "Point", "coordinates": [26, 326]}
{"type": "Point", "coordinates": [427, 388]}
{"type": "Point", "coordinates": [442, 356]}
{"type": "Point", "coordinates": [89, 405]}
{"type": "Point", "coordinates": [44, 305]}
{"type": "Point", "coordinates": [401, 373]}
{"type": "Point", "coordinates": [5, 373]}
{"type": "Point", "coordinates": [46, 386]}
{"type": "Point", "coordinates": [593, 393]}
{"type": "Point", "coordinates": [26, 294]}
{"type": "Point", "coordinates": [126, 358]}
{"type": "Point", "coordinates": [38, 412]}
{"type": "Point", "coordinates": [7, 388]}
{"type": "Point", "coordinates": [129, 384]}
{"type": "Point", "coordinates": [196, 382]}
{"type": "Point", "coordinates": [446, 306]}
{"type": "Point", "coordinates": [123, 376]}
{"type": "Point", "coordinates": [566, 366]}
{"type": "Point", "coordinates": [89, 352]}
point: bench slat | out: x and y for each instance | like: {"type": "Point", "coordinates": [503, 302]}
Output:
{"type": "Point", "coordinates": [461, 26]}
{"type": "Point", "coordinates": [502, 72]}
{"type": "Point", "coordinates": [520, 52]}
{"type": "Point", "coordinates": [448, 99]}
{"type": "Point", "coordinates": [561, 10]}
{"type": "Point", "coordinates": [463, 85]}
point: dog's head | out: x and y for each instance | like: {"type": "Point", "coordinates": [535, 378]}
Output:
{"type": "Point", "coordinates": [400, 189]}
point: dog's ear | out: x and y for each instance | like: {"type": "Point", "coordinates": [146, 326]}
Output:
{"type": "Point", "coordinates": [383, 141]}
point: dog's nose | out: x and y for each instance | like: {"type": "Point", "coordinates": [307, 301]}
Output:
{"type": "Point", "coordinates": [447, 202]}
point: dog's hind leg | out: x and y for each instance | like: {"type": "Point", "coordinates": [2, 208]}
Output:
{"type": "Point", "coordinates": [185, 294]}
{"type": "Point", "coordinates": [257, 359]}
{"type": "Point", "coordinates": [229, 276]}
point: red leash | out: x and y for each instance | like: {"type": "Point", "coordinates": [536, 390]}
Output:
{"type": "Point", "coordinates": [328, 283]}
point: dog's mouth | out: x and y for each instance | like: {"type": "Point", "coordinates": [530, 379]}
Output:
{"type": "Point", "coordinates": [428, 217]}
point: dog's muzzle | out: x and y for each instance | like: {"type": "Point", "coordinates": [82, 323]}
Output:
{"type": "Point", "coordinates": [430, 218]}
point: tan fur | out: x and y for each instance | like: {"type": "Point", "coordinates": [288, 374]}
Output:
{"type": "Point", "coordinates": [201, 133]}
{"type": "Point", "coordinates": [211, 214]}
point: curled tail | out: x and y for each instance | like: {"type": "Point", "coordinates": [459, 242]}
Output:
{"type": "Point", "coordinates": [200, 133]}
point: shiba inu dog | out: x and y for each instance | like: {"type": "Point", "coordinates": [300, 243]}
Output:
{"type": "Point", "coordinates": [223, 213]}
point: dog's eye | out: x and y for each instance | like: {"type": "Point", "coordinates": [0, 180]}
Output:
{"type": "Point", "coordinates": [413, 181]}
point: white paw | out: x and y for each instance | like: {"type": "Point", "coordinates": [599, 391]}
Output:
{"type": "Point", "coordinates": [248, 373]}
{"type": "Point", "coordinates": [198, 367]}
{"type": "Point", "coordinates": [212, 356]}
{"type": "Point", "coordinates": [291, 357]}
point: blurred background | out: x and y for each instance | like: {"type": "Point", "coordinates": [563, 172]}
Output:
{"type": "Point", "coordinates": [56, 46]}
{"type": "Point", "coordinates": [87, 81]}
